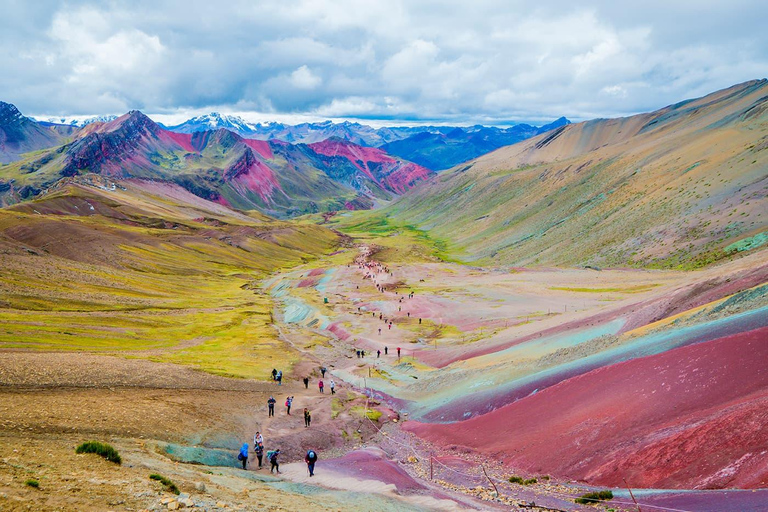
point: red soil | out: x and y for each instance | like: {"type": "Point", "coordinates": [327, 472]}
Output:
{"type": "Point", "coordinates": [404, 177]}
{"type": "Point", "coordinates": [182, 139]}
{"type": "Point", "coordinates": [261, 147]}
{"type": "Point", "coordinates": [674, 420]}
{"type": "Point", "coordinates": [257, 177]}
{"type": "Point", "coordinates": [371, 463]}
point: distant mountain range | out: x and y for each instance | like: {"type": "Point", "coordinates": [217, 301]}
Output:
{"type": "Point", "coordinates": [77, 122]}
{"type": "Point", "coordinates": [434, 147]}
{"type": "Point", "coordinates": [445, 148]}
{"type": "Point", "coordinates": [275, 177]}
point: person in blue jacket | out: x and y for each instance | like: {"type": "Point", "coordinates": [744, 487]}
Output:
{"type": "Point", "coordinates": [243, 455]}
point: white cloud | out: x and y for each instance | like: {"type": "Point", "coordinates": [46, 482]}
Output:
{"type": "Point", "coordinates": [490, 61]}
{"type": "Point", "coordinates": [303, 78]}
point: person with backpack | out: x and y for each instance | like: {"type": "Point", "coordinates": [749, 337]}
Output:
{"type": "Point", "coordinates": [307, 418]}
{"type": "Point", "coordinates": [271, 403]}
{"type": "Point", "coordinates": [306, 382]}
{"type": "Point", "coordinates": [310, 459]}
{"type": "Point", "coordinates": [272, 456]}
{"type": "Point", "coordinates": [320, 385]}
{"type": "Point", "coordinates": [323, 369]}
{"type": "Point", "coordinates": [259, 451]}
{"type": "Point", "coordinates": [279, 378]}
{"type": "Point", "coordinates": [333, 387]}
{"type": "Point", "coordinates": [274, 374]}
{"type": "Point", "coordinates": [288, 403]}
{"type": "Point", "coordinates": [243, 455]}
{"type": "Point", "coordinates": [258, 439]}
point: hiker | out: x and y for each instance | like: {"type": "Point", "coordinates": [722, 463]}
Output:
{"type": "Point", "coordinates": [259, 451]}
{"type": "Point", "coordinates": [379, 331]}
{"type": "Point", "coordinates": [272, 456]}
{"type": "Point", "coordinates": [362, 353]}
{"type": "Point", "coordinates": [398, 352]}
{"type": "Point", "coordinates": [279, 378]}
{"type": "Point", "coordinates": [243, 455]}
{"type": "Point", "coordinates": [378, 354]}
{"type": "Point", "coordinates": [386, 350]}
{"type": "Point", "coordinates": [358, 354]}
{"type": "Point", "coordinates": [288, 403]}
{"type": "Point", "coordinates": [271, 403]}
{"type": "Point", "coordinates": [390, 326]}
{"type": "Point", "coordinates": [333, 387]}
{"type": "Point", "coordinates": [306, 382]}
{"type": "Point", "coordinates": [307, 418]}
{"type": "Point", "coordinates": [310, 459]}
{"type": "Point", "coordinates": [409, 314]}
{"type": "Point", "coordinates": [320, 385]}
{"type": "Point", "coordinates": [323, 369]}
{"type": "Point", "coordinates": [274, 374]}
{"type": "Point", "coordinates": [257, 440]}
{"type": "Point", "coordinates": [419, 321]}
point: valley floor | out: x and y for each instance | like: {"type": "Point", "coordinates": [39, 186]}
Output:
{"type": "Point", "coordinates": [579, 378]}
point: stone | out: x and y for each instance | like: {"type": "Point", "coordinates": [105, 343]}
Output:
{"type": "Point", "coordinates": [221, 504]}
{"type": "Point", "coordinates": [174, 505]}
{"type": "Point", "coordinates": [187, 502]}
{"type": "Point", "coordinates": [200, 486]}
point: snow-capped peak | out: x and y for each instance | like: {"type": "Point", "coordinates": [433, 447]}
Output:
{"type": "Point", "coordinates": [215, 120]}
{"type": "Point", "coordinates": [78, 121]}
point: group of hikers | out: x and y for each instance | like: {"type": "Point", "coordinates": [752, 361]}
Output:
{"type": "Point", "coordinates": [272, 456]}
{"type": "Point", "coordinates": [361, 353]}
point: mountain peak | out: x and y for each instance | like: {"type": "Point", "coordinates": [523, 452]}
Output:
{"type": "Point", "coordinates": [9, 113]}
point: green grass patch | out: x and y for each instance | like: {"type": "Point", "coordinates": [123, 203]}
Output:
{"type": "Point", "coordinates": [168, 484]}
{"type": "Point", "coordinates": [336, 407]}
{"type": "Point", "coordinates": [102, 449]}
{"type": "Point", "coordinates": [591, 498]}
{"type": "Point", "coordinates": [32, 483]}
{"type": "Point", "coordinates": [514, 479]}
{"type": "Point", "coordinates": [362, 412]}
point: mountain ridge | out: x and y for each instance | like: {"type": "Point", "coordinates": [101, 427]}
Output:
{"type": "Point", "coordinates": [219, 165]}
{"type": "Point", "coordinates": [659, 189]}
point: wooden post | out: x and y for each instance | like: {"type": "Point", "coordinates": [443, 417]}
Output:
{"type": "Point", "coordinates": [489, 479]}
{"type": "Point", "coordinates": [430, 467]}
{"type": "Point", "coordinates": [632, 495]}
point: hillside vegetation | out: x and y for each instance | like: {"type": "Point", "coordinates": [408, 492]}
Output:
{"type": "Point", "coordinates": [681, 187]}
{"type": "Point", "coordinates": [147, 269]}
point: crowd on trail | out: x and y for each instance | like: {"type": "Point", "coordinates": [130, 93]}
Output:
{"type": "Point", "coordinates": [258, 439]}
{"type": "Point", "coordinates": [371, 270]}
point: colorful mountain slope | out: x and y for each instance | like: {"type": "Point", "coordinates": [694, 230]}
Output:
{"type": "Point", "coordinates": [443, 149]}
{"type": "Point", "coordinates": [395, 175]}
{"type": "Point", "coordinates": [134, 265]}
{"type": "Point", "coordinates": [219, 165]}
{"type": "Point", "coordinates": [682, 186]}
{"type": "Point", "coordinates": [629, 420]}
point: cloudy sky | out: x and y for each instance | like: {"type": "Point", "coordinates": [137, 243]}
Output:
{"type": "Point", "coordinates": [470, 61]}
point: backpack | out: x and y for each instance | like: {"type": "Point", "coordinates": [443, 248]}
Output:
{"type": "Point", "coordinates": [272, 456]}
{"type": "Point", "coordinates": [311, 455]}
{"type": "Point", "coordinates": [287, 403]}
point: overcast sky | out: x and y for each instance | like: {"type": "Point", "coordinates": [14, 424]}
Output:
{"type": "Point", "coordinates": [463, 62]}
